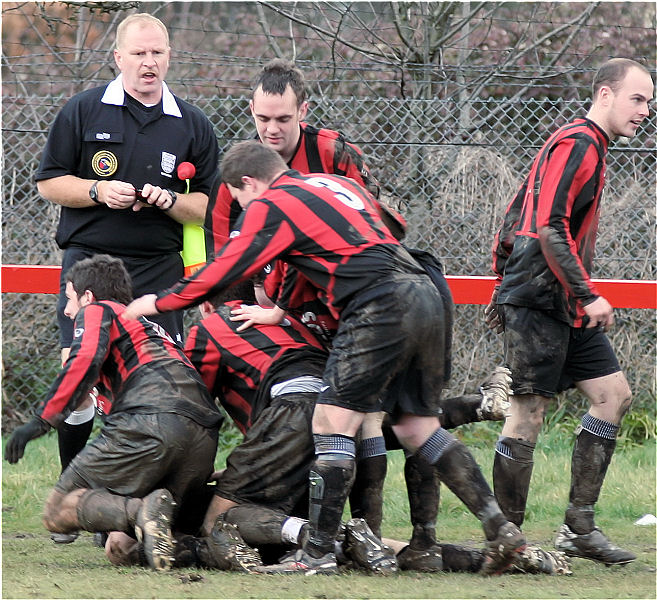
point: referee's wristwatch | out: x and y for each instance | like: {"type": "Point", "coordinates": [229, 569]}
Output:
{"type": "Point", "coordinates": [93, 192]}
{"type": "Point", "coordinates": [174, 197]}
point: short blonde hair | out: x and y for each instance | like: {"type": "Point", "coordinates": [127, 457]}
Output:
{"type": "Point", "coordinates": [142, 18]}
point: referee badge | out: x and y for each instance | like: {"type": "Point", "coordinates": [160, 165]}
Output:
{"type": "Point", "coordinates": [104, 163]}
{"type": "Point", "coordinates": [168, 162]}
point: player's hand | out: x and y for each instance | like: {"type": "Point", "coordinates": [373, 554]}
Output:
{"type": "Point", "coordinates": [115, 194]}
{"type": "Point", "coordinates": [600, 314]}
{"type": "Point", "coordinates": [492, 315]}
{"type": "Point", "coordinates": [153, 195]}
{"type": "Point", "coordinates": [141, 307]}
{"type": "Point", "coordinates": [15, 447]}
{"type": "Point", "coordinates": [256, 315]}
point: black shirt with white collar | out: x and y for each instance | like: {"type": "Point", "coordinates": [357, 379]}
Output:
{"type": "Point", "coordinates": [105, 134]}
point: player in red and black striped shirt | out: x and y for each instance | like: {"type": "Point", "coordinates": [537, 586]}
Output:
{"type": "Point", "coordinates": [386, 354]}
{"type": "Point", "coordinates": [161, 431]}
{"type": "Point", "coordinates": [278, 106]}
{"type": "Point", "coordinates": [553, 316]}
{"type": "Point", "coordinates": [235, 365]}
{"type": "Point", "coordinates": [267, 378]}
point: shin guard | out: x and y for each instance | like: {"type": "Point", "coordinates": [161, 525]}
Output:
{"type": "Point", "coordinates": [331, 478]}
{"type": "Point", "coordinates": [99, 510]}
{"type": "Point", "coordinates": [512, 472]}
{"type": "Point", "coordinates": [366, 496]}
{"type": "Point", "coordinates": [423, 490]}
{"type": "Point", "coordinates": [594, 447]}
{"type": "Point", "coordinates": [458, 470]}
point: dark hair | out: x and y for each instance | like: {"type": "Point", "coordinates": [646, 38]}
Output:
{"type": "Point", "coordinates": [613, 72]}
{"type": "Point", "coordinates": [243, 290]}
{"type": "Point", "coordinates": [104, 276]}
{"type": "Point", "coordinates": [276, 75]}
{"type": "Point", "coordinates": [253, 159]}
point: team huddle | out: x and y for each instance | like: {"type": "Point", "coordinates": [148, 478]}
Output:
{"type": "Point", "coordinates": [322, 335]}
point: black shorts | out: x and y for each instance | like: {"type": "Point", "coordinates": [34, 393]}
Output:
{"type": "Point", "coordinates": [547, 356]}
{"type": "Point", "coordinates": [388, 353]}
{"type": "Point", "coordinates": [148, 275]}
{"type": "Point", "coordinates": [137, 453]}
{"type": "Point", "coordinates": [271, 466]}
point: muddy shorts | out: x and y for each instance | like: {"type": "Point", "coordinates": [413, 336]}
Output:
{"type": "Point", "coordinates": [137, 453]}
{"type": "Point", "coordinates": [270, 467]}
{"type": "Point", "coordinates": [547, 356]}
{"type": "Point", "coordinates": [388, 353]}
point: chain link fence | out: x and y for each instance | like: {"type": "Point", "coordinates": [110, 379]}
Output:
{"type": "Point", "coordinates": [451, 168]}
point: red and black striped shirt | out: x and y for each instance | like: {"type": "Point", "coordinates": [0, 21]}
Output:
{"type": "Point", "coordinates": [318, 151]}
{"type": "Point", "coordinates": [325, 226]}
{"type": "Point", "coordinates": [113, 353]}
{"type": "Point", "coordinates": [543, 253]}
{"type": "Point", "coordinates": [234, 365]}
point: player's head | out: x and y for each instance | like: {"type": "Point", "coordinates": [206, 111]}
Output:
{"type": "Point", "coordinates": [101, 277]}
{"type": "Point", "coordinates": [142, 55]}
{"type": "Point", "coordinates": [242, 291]}
{"type": "Point", "coordinates": [622, 89]}
{"type": "Point", "coordinates": [248, 168]}
{"type": "Point", "coordinates": [278, 106]}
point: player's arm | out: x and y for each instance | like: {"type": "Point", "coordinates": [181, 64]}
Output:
{"type": "Point", "coordinates": [89, 349]}
{"type": "Point", "coordinates": [72, 385]}
{"type": "Point", "coordinates": [571, 166]}
{"type": "Point", "coordinates": [502, 248]}
{"type": "Point", "coordinates": [262, 238]}
{"type": "Point", "coordinates": [505, 236]}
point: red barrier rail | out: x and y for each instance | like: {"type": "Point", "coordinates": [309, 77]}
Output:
{"type": "Point", "coordinates": [621, 293]}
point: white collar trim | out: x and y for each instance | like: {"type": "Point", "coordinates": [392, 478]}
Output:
{"type": "Point", "coordinates": [115, 94]}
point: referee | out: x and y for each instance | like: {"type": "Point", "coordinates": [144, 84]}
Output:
{"type": "Point", "coordinates": [110, 163]}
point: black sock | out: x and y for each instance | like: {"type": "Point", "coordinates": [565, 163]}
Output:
{"type": "Point", "coordinates": [71, 439]}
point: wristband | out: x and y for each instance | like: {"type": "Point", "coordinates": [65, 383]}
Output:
{"type": "Point", "coordinates": [174, 197]}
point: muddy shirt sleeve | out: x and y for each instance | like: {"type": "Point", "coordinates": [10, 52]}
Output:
{"type": "Point", "coordinates": [90, 348]}
{"type": "Point", "coordinates": [567, 215]}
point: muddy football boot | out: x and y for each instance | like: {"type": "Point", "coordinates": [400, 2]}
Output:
{"type": "Point", "coordinates": [366, 550]}
{"type": "Point", "coordinates": [299, 561]}
{"type": "Point", "coordinates": [153, 529]}
{"type": "Point", "coordinates": [225, 549]}
{"type": "Point", "coordinates": [424, 561]}
{"type": "Point", "coordinates": [495, 391]}
{"type": "Point", "coordinates": [501, 552]}
{"type": "Point", "coordinates": [594, 546]}
{"type": "Point", "coordinates": [536, 560]}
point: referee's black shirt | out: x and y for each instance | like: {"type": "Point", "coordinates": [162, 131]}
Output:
{"type": "Point", "coordinates": [103, 133]}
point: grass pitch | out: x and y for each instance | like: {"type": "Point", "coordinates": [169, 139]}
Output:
{"type": "Point", "coordinates": [34, 567]}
